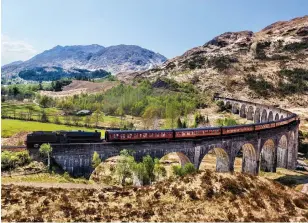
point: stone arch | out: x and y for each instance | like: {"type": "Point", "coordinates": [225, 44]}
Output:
{"type": "Point", "coordinates": [270, 116]}
{"type": "Point", "coordinates": [267, 156]}
{"type": "Point", "coordinates": [250, 113]}
{"type": "Point", "coordinates": [243, 111]}
{"type": "Point", "coordinates": [264, 116]}
{"type": "Point", "coordinates": [282, 152]}
{"type": "Point", "coordinates": [257, 115]}
{"type": "Point", "coordinates": [291, 151]}
{"type": "Point", "coordinates": [175, 157]}
{"type": "Point", "coordinates": [171, 159]}
{"type": "Point", "coordinates": [248, 161]}
{"type": "Point", "coordinates": [217, 159]}
{"type": "Point", "coordinates": [276, 117]}
{"type": "Point", "coordinates": [235, 108]}
{"type": "Point", "coordinates": [228, 105]}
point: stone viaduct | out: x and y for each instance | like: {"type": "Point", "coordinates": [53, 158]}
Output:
{"type": "Point", "coordinates": [261, 150]}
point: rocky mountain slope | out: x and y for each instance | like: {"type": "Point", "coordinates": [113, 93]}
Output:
{"type": "Point", "coordinates": [267, 66]}
{"type": "Point", "coordinates": [113, 59]}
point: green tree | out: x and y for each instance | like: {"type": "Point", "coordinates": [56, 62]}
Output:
{"type": "Point", "coordinates": [179, 124]}
{"type": "Point", "coordinates": [30, 110]}
{"type": "Point", "coordinates": [44, 117]}
{"type": "Point", "coordinates": [159, 170]}
{"type": "Point", "coordinates": [45, 101]}
{"type": "Point", "coordinates": [124, 167]}
{"type": "Point", "coordinates": [97, 116]}
{"type": "Point", "coordinates": [188, 168]}
{"type": "Point", "coordinates": [96, 160]}
{"type": "Point", "coordinates": [149, 169]}
{"type": "Point", "coordinates": [46, 150]}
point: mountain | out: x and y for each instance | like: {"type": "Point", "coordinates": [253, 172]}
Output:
{"type": "Point", "coordinates": [270, 65]}
{"type": "Point", "coordinates": [114, 59]}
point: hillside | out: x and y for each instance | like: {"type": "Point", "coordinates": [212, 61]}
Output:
{"type": "Point", "coordinates": [78, 87]}
{"type": "Point", "coordinates": [267, 66]}
{"type": "Point", "coordinates": [206, 196]}
{"type": "Point", "coordinates": [114, 59]}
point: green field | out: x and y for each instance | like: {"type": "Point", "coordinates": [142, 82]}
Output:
{"type": "Point", "coordinates": [22, 109]}
{"type": "Point", "coordinates": [10, 127]}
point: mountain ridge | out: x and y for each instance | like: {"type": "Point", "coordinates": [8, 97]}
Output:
{"type": "Point", "coordinates": [114, 59]}
{"type": "Point", "coordinates": [238, 64]}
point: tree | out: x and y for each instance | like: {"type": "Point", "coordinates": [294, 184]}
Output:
{"type": "Point", "coordinates": [188, 168]}
{"type": "Point", "coordinates": [179, 123]}
{"type": "Point", "coordinates": [45, 101]}
{"type": "Point", "coordinates": [172, 112]}
{"type": "Point", "coordinates": [88, 120]}
{"type": "Point", "coordinates": [56, 119]}
{"type": "Point", "coordinates": [67, 119]}
{"type": "Point", "coordinates": [46, 149]}
{"type": "Point", "coordinates": [97, 116]}
{"type": "Point", "coordinates": [68, 107]}
{"type": "Point", "coordinates": [44, 117]}
{"type": "Point", "coordinates": [159, 170]}
{"type": "Point", "coordinates": [149, 169]}
{"type": "Point", "coordinates": [150, 115]}
{"type": "Point", "coordinates": [95, 160]}
{"type": "Point", "coordinates": [76, 119]}
{"type": "Point", "coordinates": [30, 111]}
{"type": "Point", "coordinates": [124, 166]}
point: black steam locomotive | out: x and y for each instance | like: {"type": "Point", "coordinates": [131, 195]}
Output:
{"type": "Point", "coordinates": [35, 139]}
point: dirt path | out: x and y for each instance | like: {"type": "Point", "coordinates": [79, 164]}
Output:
{"type": "Point", "coordinates": [56, 185]}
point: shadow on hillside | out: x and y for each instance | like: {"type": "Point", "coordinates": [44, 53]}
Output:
{"type": "Point", "coordinates": [293, 180]}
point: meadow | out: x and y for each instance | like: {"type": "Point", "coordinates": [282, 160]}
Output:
{"type": "Point", "coordinates": [55, 115]}
{"type": "Point", "coordinates": [10, 127]}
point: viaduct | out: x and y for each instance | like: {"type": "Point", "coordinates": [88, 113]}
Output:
{"type": "Point", "coordinates": [261, 150]}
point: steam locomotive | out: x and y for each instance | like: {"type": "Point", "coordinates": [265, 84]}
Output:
{"type": "Point", "coordinates": [35, 139]}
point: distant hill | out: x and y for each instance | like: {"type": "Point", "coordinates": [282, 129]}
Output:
{"type": "Point", "coordinates": [269, 65]}
{"type": "Point", "coordinates": [114, 59]}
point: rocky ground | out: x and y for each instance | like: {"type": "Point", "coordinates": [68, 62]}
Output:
{"type": "Point", "coordinates": [206, 196]}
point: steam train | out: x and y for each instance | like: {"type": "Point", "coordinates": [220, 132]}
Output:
{"type": "Point", "coordinates": [35, 139]}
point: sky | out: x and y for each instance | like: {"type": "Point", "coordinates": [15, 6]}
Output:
{"type": "Point", "coordinates": [169, 27]}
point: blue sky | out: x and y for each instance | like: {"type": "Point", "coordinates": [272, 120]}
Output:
{"type": "Point", "coordinates": [169, 27]}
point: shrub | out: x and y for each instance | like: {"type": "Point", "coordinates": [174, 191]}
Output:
{"type": "Point", "coordinates": [259, 85]}
{"type": "Point", "coordinates": [221, 62]}
{"type": "Point", "coordinates": [46, 149]}
{"type": "Point", "coordinates": [295, 47]}
{"type": "Point", "coordinates": [188, 168]}
{"type": "Point", "coordinates": [260, 54]}
{"type": "Point", "coordinates": [221, 106]}
{"type": "Point", "coordinates": [11, 160]}
{"type": "Point", "coordinates": [226, 122]}
{"type": "Point", "coordinates": [95, 160]}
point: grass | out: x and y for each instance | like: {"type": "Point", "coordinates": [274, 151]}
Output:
{"type": "Point", "coordinates": [8, 108]}
{"type": "Point", "coordinates": [44, 178]}
{"type": "Point", "coordinates": [287, 177]}
{"type": "Point", "coordinates": [10, 127]}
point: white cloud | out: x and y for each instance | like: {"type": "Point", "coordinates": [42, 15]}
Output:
{"type": "Point", "coordinates": [13, 50]}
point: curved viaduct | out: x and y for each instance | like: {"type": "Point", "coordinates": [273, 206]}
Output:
{"type": "Point", "coordinates": [261, 150]}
